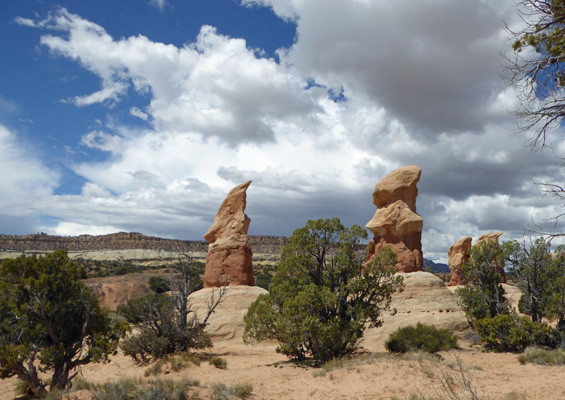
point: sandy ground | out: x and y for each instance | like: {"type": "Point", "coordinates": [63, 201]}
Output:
{"type": "Point", "coordinates": [496, 376]}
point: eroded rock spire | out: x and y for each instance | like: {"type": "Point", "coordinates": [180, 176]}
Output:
{"type": "Point", "coordinates": [229, 259]}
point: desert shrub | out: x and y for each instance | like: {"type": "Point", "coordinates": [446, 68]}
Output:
{"type": "Point", "coordinates": [223, 392]}
{"type": "Point", "coordinates": [219, 362]}
{"type": "Point", "coordinates": [420, 338]}
{"type": "Point", "coordinates": [322, 296]}
{"type": "Point", "coordinates": [511, 333]}
{"type": "Point", "coordinates": [159, 284]}
{"type": "Point", "coordinates": [167, 322]}
{"type": "Point", "coordinates": [155, 369]}
{"type": "Point", "coordinates": [537, 355]}
{"type": "Point", "coordinates": [161, 332]}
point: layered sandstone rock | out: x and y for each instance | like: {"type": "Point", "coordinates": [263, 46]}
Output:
{"type": "Point", "coordinates": [396, 223]}
{"type": "Point", "coordinates": [229, 259]}
{"type": "Point", "coordinates": [459, 254]}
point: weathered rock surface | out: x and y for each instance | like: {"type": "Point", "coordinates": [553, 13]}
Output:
{"type": "Point", "coordinates": [396, 223]}
{"type": "Point", "coordinates": [229, 259]}
{"type": "Point", "coordinates": [489, 236]}
{"type": "Point", "coordinates": [425, 299]}
{"type": "Point", "coordinates": [458, 255]}
{"type": "Point", "coordinates": [227, 321]}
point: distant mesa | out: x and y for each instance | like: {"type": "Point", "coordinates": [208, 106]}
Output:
{"type": "Point", "coordinates": [458, 255]}
{"type": "Point", "coordinates": [396, 223]}
{"type": "Point", "coordinates": [229, 259]}
{"type": "Point", "coordinates": [81, 245]}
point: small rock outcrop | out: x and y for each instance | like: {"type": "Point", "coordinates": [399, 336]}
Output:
{"type": "Point", "coordinates": [229, 259]}
{"type": "Point", "coordinates": [396, 223]}
{"type": "Point", "coordinates": [459, 254]}
{"type": "Point", "coordinates": [425, 299]}
{"type": "Point", "coordinates": [226, 323]}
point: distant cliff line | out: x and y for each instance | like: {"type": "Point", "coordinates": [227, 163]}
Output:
{"type": "Point", "coordinates": [126, 241]}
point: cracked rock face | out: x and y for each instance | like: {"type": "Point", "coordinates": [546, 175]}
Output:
{"type": "Point", "coordinates": [396, 223]}
{"type": "Point", "coordinates": [229, 259]}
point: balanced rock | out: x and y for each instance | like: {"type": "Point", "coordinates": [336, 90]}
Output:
{"type": "Point", "coordinates": [396, 223]}
{"type": "Point", "coordinates": [229, 259]}
{"type": "Point", "coordinates": [458, 255]}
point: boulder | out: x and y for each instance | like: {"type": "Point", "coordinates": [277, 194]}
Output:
{"type": "Point", "coordinates": [229, 259]}
{"type": "Point", "coordinates": [226, 323]}
{"type": "Point", "coordinates": [396, 223]}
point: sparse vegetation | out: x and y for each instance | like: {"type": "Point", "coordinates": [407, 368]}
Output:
{"type": "Point", "coordinates": [222, 392]}
{"type": "Point", "coordinates": [174, 363]}
{"type": "Point", "coordinates": [456, 383]}
{"type": "Point", "coordinates": [421, 337]}
{"type": "Point", "coordinates": [127, 389]}
{"type": "Point", "coordinates": [537, 355]}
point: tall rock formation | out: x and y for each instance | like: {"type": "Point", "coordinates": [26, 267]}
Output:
{"type": "Point", "coordinates": [229, 259]}
{"type": "Point", "coordinates": [459, 254]}
{"type": "Point", "coordinates": [396, 223]}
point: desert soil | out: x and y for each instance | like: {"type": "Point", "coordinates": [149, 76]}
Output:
{"type": "Point", "coordinates": [496, 376]}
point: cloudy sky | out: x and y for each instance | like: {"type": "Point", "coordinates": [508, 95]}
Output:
{"type": "Point", "coordinates": [140, 115]}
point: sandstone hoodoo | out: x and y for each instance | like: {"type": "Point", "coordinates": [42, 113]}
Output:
{"type": "Point", "coordinates": [459, 254]}
{"type": "Point", "coordinates": [229, 259]}
{"type": "Point", "coordinates": [396, 223]}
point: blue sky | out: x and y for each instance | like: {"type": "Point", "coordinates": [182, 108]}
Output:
{"type": "Point", "coordinates": [141, 115]}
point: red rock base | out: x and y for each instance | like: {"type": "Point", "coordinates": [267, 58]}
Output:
{"type": "Point", "coordinates": [230, 267]}
{"type": "Point", "coordinates": [408, 251]}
